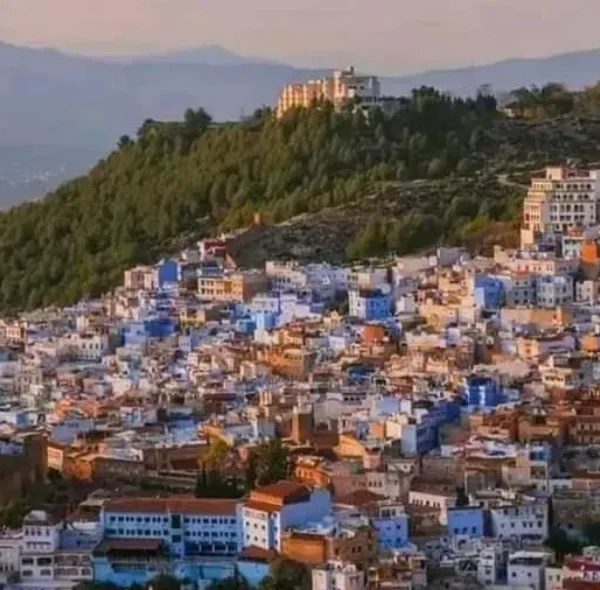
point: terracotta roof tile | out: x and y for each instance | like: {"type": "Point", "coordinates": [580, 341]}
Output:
{"type": "Point", "coordinates": [178, 504]}
{"type": "Point", "coordinates": [359, 498]}
{"type": "Point", "coordinates": [282, 489]}
{"type": "Point", "coordinates": [254, 553]}
{"type": "Point", "coordinates": [262, 506]}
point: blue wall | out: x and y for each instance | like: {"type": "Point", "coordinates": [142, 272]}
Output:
{"type": "Point", "coordinates": [420, 438]}
{"type": "Point", "coordinates": [253, 571]}
{"type": "Point", "coordinates": [264, 320]}
{"type": "Point", "coordinates": [196, 570]}
{"type": "Point", "coordinates": [467, 520]}
{"type": "Point", "coordinates": [370, 305]}
{"type": "Point", "coordinates": [482, 392]}
{"type": "Point", "coordinates": [488, 292]}
{"type": "Point", "coordinates": [190, 341]}
{"type": "Point", "coordinates": [392, 532]}
{"type": "Point", "coordinates": [160, 327]}
{"type": "Point", "coordinates": [168, 272]}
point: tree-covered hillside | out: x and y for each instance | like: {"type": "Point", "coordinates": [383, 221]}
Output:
{"type": "Point", "coordinates": [177, 181]}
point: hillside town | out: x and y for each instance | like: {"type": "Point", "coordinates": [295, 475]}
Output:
{"type": "Point", "coordinates": [428, 421]}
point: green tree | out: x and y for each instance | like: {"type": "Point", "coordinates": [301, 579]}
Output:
{"type": "Point", "coordinates": [287, 575]}
{"type": "Point", "coordinates": [437, 168]}
{"type": "Point", "coordinates": [562, 544]}
{"type": "Point", "coordinates": [178, 181]}
{"type": "Point", "coordinates": [164, 582]}
{"type": "Point", "coordinates": [273, 461]}
{"type": "Point", "coordinates": [235, 582]}
{"type": "Point", "coordinates": [124, 142]}
{"type": "Point", "coordinates": [251, 471]}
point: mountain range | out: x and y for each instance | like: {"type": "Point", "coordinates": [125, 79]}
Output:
{"type": "Point", "coordinates": [67, 110]}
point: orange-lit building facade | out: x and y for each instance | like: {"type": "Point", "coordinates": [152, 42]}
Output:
{"type": "Point", "coordinates": [339, 88]}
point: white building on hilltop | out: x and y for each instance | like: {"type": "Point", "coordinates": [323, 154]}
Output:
{"type": "Point", "coordinates": [339, 88]}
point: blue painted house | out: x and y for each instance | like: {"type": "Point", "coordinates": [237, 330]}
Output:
{"type": "Point", "coordinates": [482, 392]}
{"type": "Point", "coordinates": [369, 305]}
{"type": "Point", "coordinates": [392, 525]}
{"type": "Point", "coordinates": [160, 327]}
{"type": "Point", "coordinates": [167, 272]}
{"type": "Point", "coordinates": [192, 538]}
{"type": "Point", "coordinates": [466, 520]}
{"type": "Point", "coordinates": [488, 291]}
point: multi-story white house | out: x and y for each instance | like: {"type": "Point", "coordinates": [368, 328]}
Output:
{"type": "Point", "coordinates": [519, 288]}
{"type": "Point", "coordinates": [562, 200]}
{"type": "Point", "coordinates": [10, 555]}
{"type": "Point", "coordinates": [323, 280]}
{"type": "Point", "coordinates": [336, 575]}
{"type": "Point", "coordinates": [489, 564]}
{"type": "Point", "coordinates": [188, 526]}
{"type": "Point", "coordinates": [339, 88]}
{"type": "Point", "coordinates": [554, 290]}
{"type": "Point", "coordinates": [271, 509]}
{"type": "Point", "coordinates": [521, 521]}
{"type": "Point", "coordinates": [44, 564]}
{"type": "Point", "coordinates": [527, 569]}
{"type": "Point", "coordinates": [86, 346]}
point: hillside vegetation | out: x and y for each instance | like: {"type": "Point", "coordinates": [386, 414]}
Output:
{"type": "Point", "coordinates": [176, 181]}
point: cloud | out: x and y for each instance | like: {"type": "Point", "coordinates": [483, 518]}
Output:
{"type": "Point", "coordinates": [392, 35]}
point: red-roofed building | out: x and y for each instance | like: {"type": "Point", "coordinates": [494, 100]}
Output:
{"type": "Point", "coordinates": [580, 572]}
{"type": "Point", "coordinates": [269, 510]}
{"type": "Point", "coordinates": [188, 526]}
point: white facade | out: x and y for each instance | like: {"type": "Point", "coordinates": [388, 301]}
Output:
{"type": "Point", "coordinates": [587, 292]}
{"type": "Point", "coordinates": [40, 533]}
{"type": "Point", "coordinates": [519, 289]}
{"type": "Point", "coordinates": [554, 578]}
{"type": "Point", "coordinates": [488, 565]}
{"type": "Point", "coordinates": [554, 291]}
{"type": "Point", "coordinates": [526, 568]}
{"type": "Point", "coordinates": [42, 564]}
{"type": "Point", "coordinates": [525, 521]}
{"type": "Point", "coordinates": [194, 523]}
{"type": "Point", "coordinates": [368, 278]}
{"type": "Point", "coordinates": [263, 525]}
{"type": "Point", "coordinates": [322, 279]}
{"type": "Point", "coordinates": [86, 347]}
{"type": "Point", "coordinates": [347, 84]}
{"type": "Point", "coordinates": [439, 501]}
{"type": "Point", "coordinates": [563, 200]}
{"type": "Point", "coordinates": [336, 575]}
{"type": "Point", "coordinates": [10, 554]}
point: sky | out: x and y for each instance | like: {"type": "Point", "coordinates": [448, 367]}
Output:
{"type": "Point", "coordinates": [383, 36]}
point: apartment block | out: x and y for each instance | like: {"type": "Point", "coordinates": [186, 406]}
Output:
{"type": "Point", "coordinates": [564, 199]}
{"type": "Point", "coordinates": [230, 287]}
{"type": "Point", "coordinates": [339, 88]}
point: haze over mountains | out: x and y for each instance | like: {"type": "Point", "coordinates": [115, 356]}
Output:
{"type": "Point", "coordinates": [60, 112]}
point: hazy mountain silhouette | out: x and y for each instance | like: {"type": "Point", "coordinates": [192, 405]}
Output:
{"type": "Point", "coordinates": [70, 102]}
{"type": "Point", "coordinates": [213, 55]}
{"type": "Point", "coordinates": [575, 70]}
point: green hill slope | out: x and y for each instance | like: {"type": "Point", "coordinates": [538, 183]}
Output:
{"type": "Point", "coordinates": [178, 181]}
